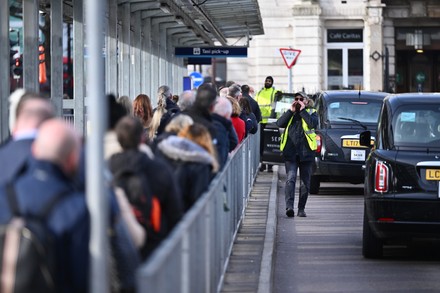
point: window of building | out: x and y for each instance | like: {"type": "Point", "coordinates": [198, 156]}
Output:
{"type": "Point", "coordinates": [344, 55]}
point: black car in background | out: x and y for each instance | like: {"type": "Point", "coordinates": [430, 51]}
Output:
{"type": "Point", "coordinates": [343, 115]}
{"type": "Point", "coordinates": [402, 173]}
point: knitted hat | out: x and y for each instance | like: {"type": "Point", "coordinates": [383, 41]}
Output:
{"type": "Point", "coordinates": [301, 94]}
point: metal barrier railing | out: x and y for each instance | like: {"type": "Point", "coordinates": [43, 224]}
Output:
{"type": "Point", "coordinates": [195, 255]}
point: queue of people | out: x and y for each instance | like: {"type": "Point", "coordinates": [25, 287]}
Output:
{"type": "Point", "coordinates": [159, 161]}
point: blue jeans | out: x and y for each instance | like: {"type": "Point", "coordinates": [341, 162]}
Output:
{"type": "Point", "coordinates": [305, 172]}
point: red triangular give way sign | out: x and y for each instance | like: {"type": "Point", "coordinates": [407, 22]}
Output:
{"type": "Point", "coordinates": [289, 56]}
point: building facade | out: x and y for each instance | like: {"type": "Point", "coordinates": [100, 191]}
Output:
{"type": "Point", "coordinates": [389, 45]}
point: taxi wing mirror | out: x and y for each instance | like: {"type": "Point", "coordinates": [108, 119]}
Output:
{"type": "Point", "coordinates": [365, 138]}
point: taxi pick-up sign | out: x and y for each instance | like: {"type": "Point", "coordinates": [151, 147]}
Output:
{"type": "Point", "coordinates": [289, 56]}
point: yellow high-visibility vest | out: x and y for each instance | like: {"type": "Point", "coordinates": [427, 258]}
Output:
{"type": "Point", "coordinates": [310, 133]}
{"type": "Point", "coordinates": [265, 99]}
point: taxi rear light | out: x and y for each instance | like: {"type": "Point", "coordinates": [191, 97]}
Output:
{"type": "Point", "coordinates": [385, 220]}
{"type": "Point", "coordinates": [381, 177]}
{"type": "Point", "coordinates": [318, 143]}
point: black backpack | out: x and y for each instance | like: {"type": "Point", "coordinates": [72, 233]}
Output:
{"type": "Point", "coordinates": [27, 260]}
{"type": "Point", "coordinates": [136, 186]}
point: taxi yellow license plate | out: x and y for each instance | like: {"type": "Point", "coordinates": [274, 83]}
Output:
{"type": "Point", "coordinates": [432, 174]}
{"type": "Point", "coordinates": [353, 143]}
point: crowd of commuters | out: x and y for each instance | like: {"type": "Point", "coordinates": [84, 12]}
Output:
{"type": "Point", "coordinates": [159, 161]}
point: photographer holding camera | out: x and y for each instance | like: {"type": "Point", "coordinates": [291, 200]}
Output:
{"type": "Point", "coordinates": [298, 144]}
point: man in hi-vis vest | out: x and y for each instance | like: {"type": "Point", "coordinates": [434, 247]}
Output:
{"type": "Point", "coordinates": [298, 144]}
{"type": "Point", "coordinates": [266, 99]}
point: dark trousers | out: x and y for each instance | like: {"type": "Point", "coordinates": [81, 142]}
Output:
{"type": "Point", "coordinates": [305, 172]}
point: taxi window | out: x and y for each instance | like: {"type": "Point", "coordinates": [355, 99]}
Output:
{"type": "Point", "coordinates": [362, 111]}
{"type": "Point", "coordinates": [416, 126]}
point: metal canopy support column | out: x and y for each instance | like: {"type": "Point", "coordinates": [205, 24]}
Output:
{"type": "Point", "coordinates": [173, 34]}
{"type": "Point", "coordinates": [136, 54]}
{"type": "Point", "coordinates": [111, 52]}
{"type": "Point", "coordinates": [158, 23]}
{"type": "Point", "coordinates": [146, 56]}
{"type": "Point", "coordinates": [124, 51]}
{"type": "Point", "coordinates": [78, 65]}
{"type": "Point", "coordinates": [5, 68]}
{"type": "Point", "coordinates": [162, 57]}
{"type": "Point", "coordinates": [164, 60]}
{"type": "Point", "coordinates": [97, 200]}
{"type": "Point", "coordinates": [168, 57]}
{"type": "Point", "coordinates": [30, 50]}
{"type": "Point", "coordinates": [155, 42]}
{"type": "Point", "coordinates": [56, 55]}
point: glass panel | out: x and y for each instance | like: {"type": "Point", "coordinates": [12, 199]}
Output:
{"type": "Point", "coordinates": [417, 125]}
{"type": "Point", "coordinates": [355, 69]}
{"type": "Point", "coordinates": [334, 69]}
{"type": "Point", "coordinates": [362, 111]}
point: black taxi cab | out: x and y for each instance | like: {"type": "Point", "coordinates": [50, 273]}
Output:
{"type": "Point", "coordinates": [402, 173]}
{"type": "Point", "coordinates": [343, 115]}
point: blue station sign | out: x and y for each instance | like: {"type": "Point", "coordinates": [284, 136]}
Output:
{"type": "Point", "coordinates": [211, 52]}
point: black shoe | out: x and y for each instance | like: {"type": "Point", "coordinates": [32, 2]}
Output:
{"type": "Point", "coordinates": [301, 213]}
{"type": "Point", "coordinates": [262, 167]}
{"type": "Point", "coordinates": [290, 213]}
{"type": "Point", "coordinates": [269, 168]}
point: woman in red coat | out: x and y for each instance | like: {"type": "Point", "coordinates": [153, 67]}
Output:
{"type": "Point", "coordinates": [237, 122]}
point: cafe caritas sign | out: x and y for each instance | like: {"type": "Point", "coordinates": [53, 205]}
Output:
{"type": "Point", "coordinates": [344, 36]}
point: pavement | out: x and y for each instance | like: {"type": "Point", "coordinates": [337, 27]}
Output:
{"type": "Point", "coordinates": [251, 263]}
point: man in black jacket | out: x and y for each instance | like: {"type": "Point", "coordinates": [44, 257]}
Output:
{"type": "Point", "coordinates": [298, 145]}
{"type": "Point", "coordinates": [200, 111]}
{"type": "Point", "coordinates": [245, 92]}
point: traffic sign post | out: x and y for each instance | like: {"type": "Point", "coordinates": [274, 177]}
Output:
{"type": "Point", "coordinates": [290, 56]}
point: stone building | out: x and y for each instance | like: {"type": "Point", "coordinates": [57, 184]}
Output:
{"type": "Point", "coordinates": [390, 45]}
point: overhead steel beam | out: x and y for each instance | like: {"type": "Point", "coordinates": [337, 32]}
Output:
{"type": "Point", "coordinates": [186, 19]}
{"type": "Point", "coordinates": [150, 13]}
{"type": "Point", "coordinates": [176, 29]}
{"type": "Point", "coordinates": [180, 18]}
{"type": "Point", "coordinates": [146, 5]}
{"type": "Point", "coordinates": [207, 20]}
{"type": "Point", "coordinates": [162, 19]}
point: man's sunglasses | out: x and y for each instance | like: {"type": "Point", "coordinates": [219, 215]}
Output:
{"type": "Point", "coordinates": [299, 99]}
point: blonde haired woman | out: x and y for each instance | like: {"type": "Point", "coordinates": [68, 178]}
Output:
{"type": "Point", "coordinates": [192, 158]}
{"type": "Point", "coordinates": [164, 111]}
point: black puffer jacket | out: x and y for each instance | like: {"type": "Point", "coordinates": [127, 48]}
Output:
{"type": "Point", "coordinates": [191, 164]}
{"type": "Point", "coordinates": [163, 186]}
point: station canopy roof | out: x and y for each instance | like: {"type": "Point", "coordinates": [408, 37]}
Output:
{"type": "Point", "coordinates": [208, 22]}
